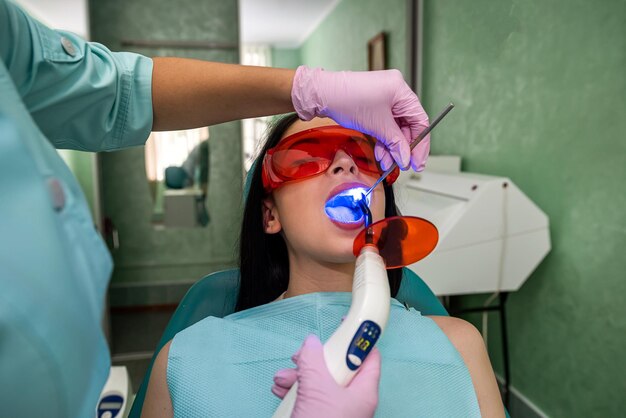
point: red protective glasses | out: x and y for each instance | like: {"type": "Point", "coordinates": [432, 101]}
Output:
{"type": "Point", "coordinates": [309, 153]}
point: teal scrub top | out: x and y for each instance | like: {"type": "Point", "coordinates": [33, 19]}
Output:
{"type": "Point", "coordinates": [57, 91]}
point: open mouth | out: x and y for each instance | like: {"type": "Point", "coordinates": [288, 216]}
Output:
{"type": "Point", "coordinates": [343, 208]}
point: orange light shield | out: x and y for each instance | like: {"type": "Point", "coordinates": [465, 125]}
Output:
{"type": "Point", "coordinates": [401, 240]}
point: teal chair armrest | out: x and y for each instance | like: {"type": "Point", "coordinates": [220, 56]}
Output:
{"type": "Point", "coordinates": [415, 293]}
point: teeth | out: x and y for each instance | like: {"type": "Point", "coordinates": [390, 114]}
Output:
{"type": "Point", "coordinates": [344, 214]}
{"type": "Point", "coordinates": [343, 207]}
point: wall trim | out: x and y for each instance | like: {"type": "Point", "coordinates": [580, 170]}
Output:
{"type": "Point", "coordinates": [148, 294]}
{"type": "Point", "coordinates": [152, 264]}
{"type": "Point", "coordinates": [521, 406]}
{"type": "Point", "coordinates": [131, 285]}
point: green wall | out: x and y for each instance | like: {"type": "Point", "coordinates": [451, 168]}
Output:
{"type": "Point", "coordinates": [340, 41]}
{"type": "Point", "coordinates": [540, 92]}
{"type": "Point", "coordinates": [82, 166]}
{"type": "Point", "coordinates": [146, 254]}
{"type": "Point", "coordinates": [286, 57]}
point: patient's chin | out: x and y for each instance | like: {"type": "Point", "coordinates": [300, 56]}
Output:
{"type": "Point", "coordinates": [342, 257]}
{"type": "Point", "coordinates": [335, 250]}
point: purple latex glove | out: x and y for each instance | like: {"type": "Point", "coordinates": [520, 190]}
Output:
{"type": "Point", "coordinates": [379, 103]}
{"type": "Point", "coordinates": [318, 393]}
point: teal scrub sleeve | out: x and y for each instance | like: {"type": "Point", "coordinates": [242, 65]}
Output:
{"type": "Point", "coordinates": [81, 95]}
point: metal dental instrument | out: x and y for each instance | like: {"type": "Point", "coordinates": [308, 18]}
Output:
{"type": "Point", "coordinates": [413, 145]}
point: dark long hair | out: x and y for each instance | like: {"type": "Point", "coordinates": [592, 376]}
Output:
{"type": "Point", "coordinates": [263, 260]}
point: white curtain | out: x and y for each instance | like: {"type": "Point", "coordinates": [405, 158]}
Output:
{"type": "Point", "coordinates": [254, 129]}
{"type": "Point", "coordinates": [254, 54]}
{"type": "Point", "coordinates": [166, 149]}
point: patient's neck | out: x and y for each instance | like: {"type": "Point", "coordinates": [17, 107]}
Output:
{"type": "Point", "coordinates": [309, 276]}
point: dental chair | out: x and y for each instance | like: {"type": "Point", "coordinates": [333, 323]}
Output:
{"type": "Point", "coordinates": [216, 295]}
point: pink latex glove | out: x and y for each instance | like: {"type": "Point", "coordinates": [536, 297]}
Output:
{"type": "Point", "coordinates": [379, 103]}
{"type": "Point", "coordinates": [318, 393]}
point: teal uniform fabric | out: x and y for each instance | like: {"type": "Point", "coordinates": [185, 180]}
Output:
{"type": "Point", "coordinates": [224, 367]}
{"type": "Point", "coordinates": [57, 91]}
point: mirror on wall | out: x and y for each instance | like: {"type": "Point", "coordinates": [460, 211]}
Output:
{"type": "Point", "coordinates": [178, 173]}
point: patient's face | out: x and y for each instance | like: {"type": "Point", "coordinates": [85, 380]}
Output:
{"type": "Point", "coordinates": [300, 205]}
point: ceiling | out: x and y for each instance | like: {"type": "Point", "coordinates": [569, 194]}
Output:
{"type": "Point", "coordinates": [281, 23]}
{"type": "Point", "coordinates": [70, 15]}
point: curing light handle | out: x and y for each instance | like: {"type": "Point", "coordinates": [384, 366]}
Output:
{"type": "Point", "coordinates": [356, 336]}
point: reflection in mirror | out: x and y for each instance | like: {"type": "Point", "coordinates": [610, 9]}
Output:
{"type": "Point", "coordinates": [276, 34]}
{"type": "Point", "coordinates": [177, 168]}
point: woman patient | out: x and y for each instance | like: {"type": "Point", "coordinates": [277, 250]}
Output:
{"type": "Point", "coordinates": [296, 277]}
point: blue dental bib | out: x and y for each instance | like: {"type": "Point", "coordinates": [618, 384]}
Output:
{"type": "Point", "coordinates": [224, 367]}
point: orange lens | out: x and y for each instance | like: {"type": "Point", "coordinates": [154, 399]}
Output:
{"type": "Point", "coordinates": [401, 240]}
{"type": "Point", "coordinates": [310, 152]}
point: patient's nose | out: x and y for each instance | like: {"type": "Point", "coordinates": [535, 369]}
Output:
{"type": "Point", "coordinates": [343, 163]}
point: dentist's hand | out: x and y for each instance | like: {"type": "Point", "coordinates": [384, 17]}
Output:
{"type": "Point", "coordinates": [318, 393]}
{"type": "Point", "coordinates": [379, 103]}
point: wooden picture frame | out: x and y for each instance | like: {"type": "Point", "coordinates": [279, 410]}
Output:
{"type": "Point", "coordinates": [377, 52]}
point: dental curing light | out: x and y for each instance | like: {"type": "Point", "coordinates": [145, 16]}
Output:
{"type": "Point", "coordinates": [395, 241]}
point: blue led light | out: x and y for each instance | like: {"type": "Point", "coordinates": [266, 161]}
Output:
{"type": "Point", "coordinates": [344, 206]}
